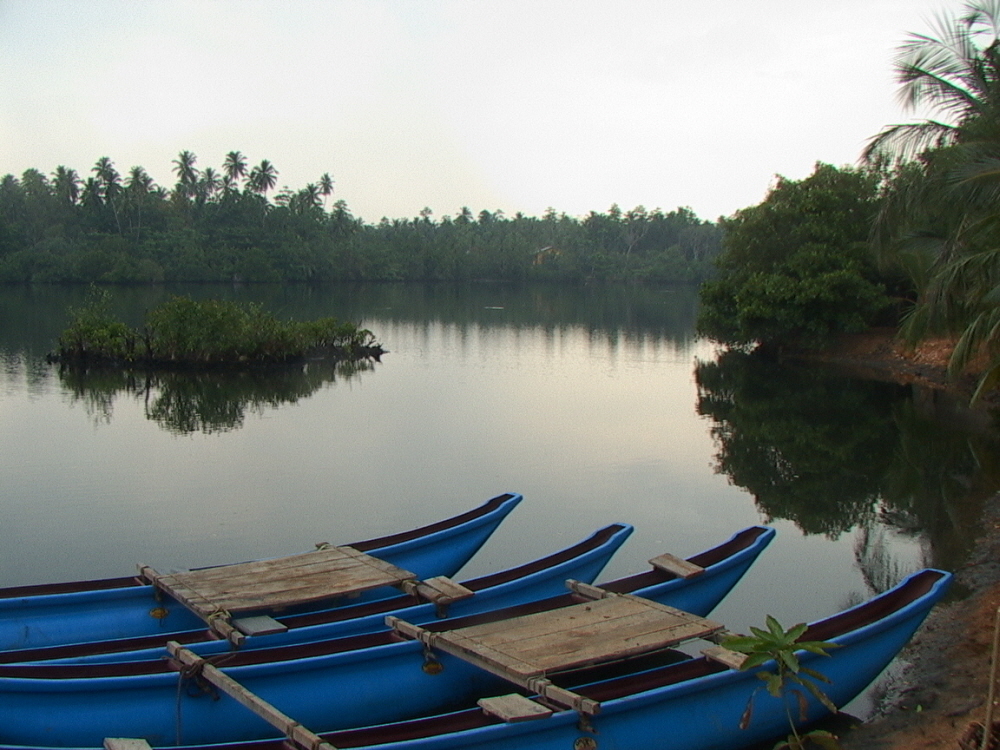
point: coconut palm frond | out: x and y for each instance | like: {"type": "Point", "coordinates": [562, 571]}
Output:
{"type": "Point", "coordinates": [981, 337]}
{"type": "Point", "coordinates": [979, 171]}
{"type": "Point", "coordinates": [927, 78]}
{"type": "Point", "coordinates": [982, 17]}
{"type": "Point", "coordinates": [907, 141]}
{"type": "Point", "coordinates": [987, 382]}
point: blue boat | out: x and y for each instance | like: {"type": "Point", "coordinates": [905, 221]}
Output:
{"type": "Point", "coordinates": [698, 704]}
{"type": "Point", "coordinates": [540, 579]}
{"type": "Point", "coordinates": [327, 685]}
{"type": "Point", "coordinates": [45, 615]}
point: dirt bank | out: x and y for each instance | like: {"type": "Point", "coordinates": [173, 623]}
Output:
{"type": "Point", "coordinates": [945, 682]}
{"type": "Point", "coordinates": [946, 679]}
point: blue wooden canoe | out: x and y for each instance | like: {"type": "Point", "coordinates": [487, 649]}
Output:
{"type": "Point", "coordinates": [326, 685]}
{"type": "Point", "coordinates": [696, 704]}
{"type": "Point", "coordinates": [543, 578]}
{"type": "Point", "coordinates": [692, 705]}
{"type": "Point", "coordinates": [113, 608]}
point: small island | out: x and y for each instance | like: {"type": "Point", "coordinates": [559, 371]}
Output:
{"type": "Point", "coordinates": [210, 334]}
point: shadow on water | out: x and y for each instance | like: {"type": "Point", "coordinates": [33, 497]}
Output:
{"type": "Point", "coordinates": [184, 402]}
{"type": "Point", "coordinates": [835, 454]}
{"type": "Point", "coordinates": [208, 402]}
{"type": "Point", "coordinates": [35, 315]}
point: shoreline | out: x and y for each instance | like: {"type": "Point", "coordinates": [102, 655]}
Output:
{"type": "Point", "coordinates": [940, 695]}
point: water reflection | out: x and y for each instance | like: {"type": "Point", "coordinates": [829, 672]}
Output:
{"type": "Point", "coordinates": [207, 402]}
{"type": "Point", "coordinates": [832, 454]}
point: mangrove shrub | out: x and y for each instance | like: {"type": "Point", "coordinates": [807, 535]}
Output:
{"type": "Point", "coordinates": [211, 332]}
{"type": "Point", "coordinates": [796, 269]}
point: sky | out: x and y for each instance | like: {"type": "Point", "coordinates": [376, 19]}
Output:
{"type": "Point", "coordinates": [516, 105]}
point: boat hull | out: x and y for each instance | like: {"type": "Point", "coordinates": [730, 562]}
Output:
{"type": "Point", "coordinates": [701, 713]}
{"type": "Point", "coordinates": [545, 581]}
{"type": "Point", "coordinates": [39, 620]}
{"type": "Point", "coordinates": [380, 679]}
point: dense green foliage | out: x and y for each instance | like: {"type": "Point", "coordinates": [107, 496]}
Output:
{"type": "Point", "coordinates": [940, 225]}
{"type": "Point", "coordinates": [796, 269]}
{"type": "Point", "coordinates": [222, 226]}
{"type": "Point", "coordinates": [210, 332]}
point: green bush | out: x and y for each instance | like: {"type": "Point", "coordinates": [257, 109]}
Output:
{"type": "Point", "coordinates": [183, 331]}
{"type": "Point", "coordinates": [94, 331]}
{"type": "Point", "coordinates": [796, 269]}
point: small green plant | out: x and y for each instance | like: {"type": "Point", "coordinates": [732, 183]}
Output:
{"type": "Point", "coordinates": [788, 679]}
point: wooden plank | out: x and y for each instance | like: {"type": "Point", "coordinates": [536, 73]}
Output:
{"type": "Point", "coordinates": [274, 584]}
{"type": "Point", "coordinates": [259, 625]}
{"type": "Point", "coordinates": [725, 656]}
{"type": "Point", "coordinates": [676, 565]}
{"type": "Point", "coordinates": [525, 647]}
{"type": "Point", "coordinates": [125, 743]}
{"type": "Point", "coordinates": [589, 591]}
{"type": "Point", "coordinates": [441, 590]}
{"type": "Point", "coordinates": [341, 574]}
{"type": "Point", "coordinates": [514, 707]}
{"type": "Point", "coordinates": [259, 568]}
{"type": "Point", "coordinates": [295, 732]}
{"type": "Point", "coordinates": [338, 562]}
{"type": "Point", "coordinates": [608, 629]}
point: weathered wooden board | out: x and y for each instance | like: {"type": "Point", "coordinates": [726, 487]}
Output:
{"type": "Point", "coordinates": [676, 565]}
{"type": "Point", "coordinates": [513, 707]}
{"type": "Point", "coordinates": [725, 656]}
{"type": "Point", "coordinates": [273, 584]}
{"type": "Point", "coordinates": [588, 633]}
{"type": "Point", "coordinates": [440, 590]}
{"type": "Point", "coordinates": [125, 743]}
{"type": "Point", "coordinates": [295, 733]}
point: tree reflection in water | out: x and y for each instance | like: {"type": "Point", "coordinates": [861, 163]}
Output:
{"type": "Point", "coordinates": [833, 453]}
{"type": "Point", "coordinates": [184, 402]}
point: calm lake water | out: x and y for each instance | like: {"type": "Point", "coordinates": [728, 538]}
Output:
{"type": "Point", "coordinates": [598, 404]}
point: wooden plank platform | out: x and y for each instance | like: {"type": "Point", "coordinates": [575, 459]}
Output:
{"type": "Point", "coordinates": [283, 581]}
{"type": "Point", "coordinates": [525, 649]}
{"type": "Point", "coordinates": [216, 594]}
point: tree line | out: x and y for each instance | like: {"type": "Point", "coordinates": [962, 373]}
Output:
{"type": "Point", "coordinates": [910, 237]}
{"type": "Point", "coordinates": [225, 225]}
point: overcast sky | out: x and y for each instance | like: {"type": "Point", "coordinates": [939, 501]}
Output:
{"type": "Point", "coordinates": [516, 105]}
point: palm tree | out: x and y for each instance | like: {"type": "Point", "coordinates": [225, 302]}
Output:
{"type": "Point", "coordinates": [939, 221]}
{"type": "Point", "coordinates": [307, 198]}
{"type": "Point", "coordinates": [139, 180]}
{"type": "Point", "coordinates": [90, 193]}
{"type": "Point", "coordinates": [110, 185]}
{"type": "Point", "coordinates": [325, 187]}
{"type": "Point", "coordinates": [66, 183]}
{"type": "Point", "coordinates": [955, 71]}
{"type": "Point", "coordinates": [263, 177]}
{"type": "Point", "coordinates": [187, 173]}
{"type": "Point", "coordinates": [234, 167]}
{"type": "Point", "coordinates": [138, 186]}
{"type": "Point", "coordinates": [107, 177]}
{"type": "Point", "coordinates": [208, 185]}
